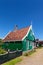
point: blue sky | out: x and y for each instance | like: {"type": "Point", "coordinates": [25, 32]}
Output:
{"type": "Point", "coordinates": [21, 12]}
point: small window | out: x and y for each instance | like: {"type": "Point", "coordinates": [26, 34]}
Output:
{"type": "Point", "coordinates": [7, 43]}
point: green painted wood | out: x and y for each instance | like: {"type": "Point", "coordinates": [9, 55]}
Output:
{"type": "Point", "coordinates": [28, 44]}
{"type": "Point", "coordinates": [31, 36]}
{"type": "Point", "coordinates": [13, 45]}
{"type": "Point", "coordinates": [24, 45]}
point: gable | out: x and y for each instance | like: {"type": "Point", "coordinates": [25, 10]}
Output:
{"type": "Point", "coordinates": [29, 35]}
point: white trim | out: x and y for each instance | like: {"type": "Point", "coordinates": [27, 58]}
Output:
{"type": "Point", "coordinates": [12, 40]}
{"type": "Point", "coordinates": [6, 34]}
{"type": "Point", "coordinates": [27, 32]}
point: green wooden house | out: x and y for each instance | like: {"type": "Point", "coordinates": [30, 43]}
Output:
{"type": "Point", "coordinates": [22, 39]}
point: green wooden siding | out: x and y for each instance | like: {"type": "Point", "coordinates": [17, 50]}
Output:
{"type": "Point", "coordinates": [28, 44]}
{"type": "Point", "coordinates": [13, 45]}
{"type": "Point", "coordinates": [24, 45]}
{"type": "Point", "coordinates": [31, 36]}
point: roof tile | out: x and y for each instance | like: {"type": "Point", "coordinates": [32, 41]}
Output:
{"type": "Point", "coordinates": [16, 35]}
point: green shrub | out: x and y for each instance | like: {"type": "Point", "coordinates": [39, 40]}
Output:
{"type": "Point", "coordinates": [29, 53]}
{"type": "Point", "coordinates": [25, 54]}
{"type": "Point", "coordinates": [2, 51]}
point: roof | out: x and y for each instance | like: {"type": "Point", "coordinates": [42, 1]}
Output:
{"type": "Point", "coordinates": [16, 35]}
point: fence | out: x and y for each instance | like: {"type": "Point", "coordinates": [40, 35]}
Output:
{"type": "Point", "coordinates": [9, 56]}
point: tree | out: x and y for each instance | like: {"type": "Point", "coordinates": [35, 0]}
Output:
{"type": "Point", "coordinates": [1, 42]}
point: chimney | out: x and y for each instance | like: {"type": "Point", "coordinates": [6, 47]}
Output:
{"type": "Point", "coordinates": [15, 28]}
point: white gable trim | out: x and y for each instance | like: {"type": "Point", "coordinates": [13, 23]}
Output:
{"type": "Point", "coordinates": [27, 32]}
{"type": "Point", "coordinates": [7, 34]}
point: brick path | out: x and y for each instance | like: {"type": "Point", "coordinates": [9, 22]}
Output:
{"type": "Point", "coordinates": [35, 59]}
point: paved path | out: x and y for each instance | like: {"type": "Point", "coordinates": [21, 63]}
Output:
{"type": "Point", "coordinates": [35, 59]}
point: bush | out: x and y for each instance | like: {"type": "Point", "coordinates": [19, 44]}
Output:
{"type": "Point", "coordinates": [29, 53]}
{"type": "Point", "coordinates": [25, 54]}
{"type": "Point", "coordinates": [2, 51]}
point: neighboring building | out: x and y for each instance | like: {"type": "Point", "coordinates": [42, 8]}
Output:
{"type": "Point", "coordinates": [22, 39]}
{"type": "Point", "coordinates": [39, 43]}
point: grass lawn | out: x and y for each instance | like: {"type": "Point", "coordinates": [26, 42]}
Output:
{"type": "Point", "coordinates": [13, 61]}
